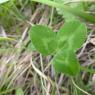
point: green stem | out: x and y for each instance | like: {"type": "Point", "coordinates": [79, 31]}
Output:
{"type": "Point", "coordinates": [6, 39]}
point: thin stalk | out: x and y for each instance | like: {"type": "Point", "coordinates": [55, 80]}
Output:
{"type": "Point", "coordinates": [79, 88]}
{"type": "Point", "coordinates": [51, 17]}
{"type": "Point", "coordinates": [43, 82]}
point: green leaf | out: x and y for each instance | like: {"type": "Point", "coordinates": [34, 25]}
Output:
{"type": "Point", "coordinates": [65, 61]}
{"type": "Point", "coordinates": [70, 38]}
{"type": "Point", "coordinates": [43, 39]}
{"type": "Point", "coordinates": [72, 34]}
{"type": "Point", "coordinates": [19, 91]}
{"type": "Point", "coordinates": [67, 15]}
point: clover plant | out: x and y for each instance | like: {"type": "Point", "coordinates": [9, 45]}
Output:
{"type": "Point", "coordinates": [61, 45]}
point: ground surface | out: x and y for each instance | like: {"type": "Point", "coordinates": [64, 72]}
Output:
{"type": "Point", "coordinates": [28, 72]}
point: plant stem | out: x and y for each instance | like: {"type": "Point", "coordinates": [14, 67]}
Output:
{"type": "Point", "coordinates": [79, 88]}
